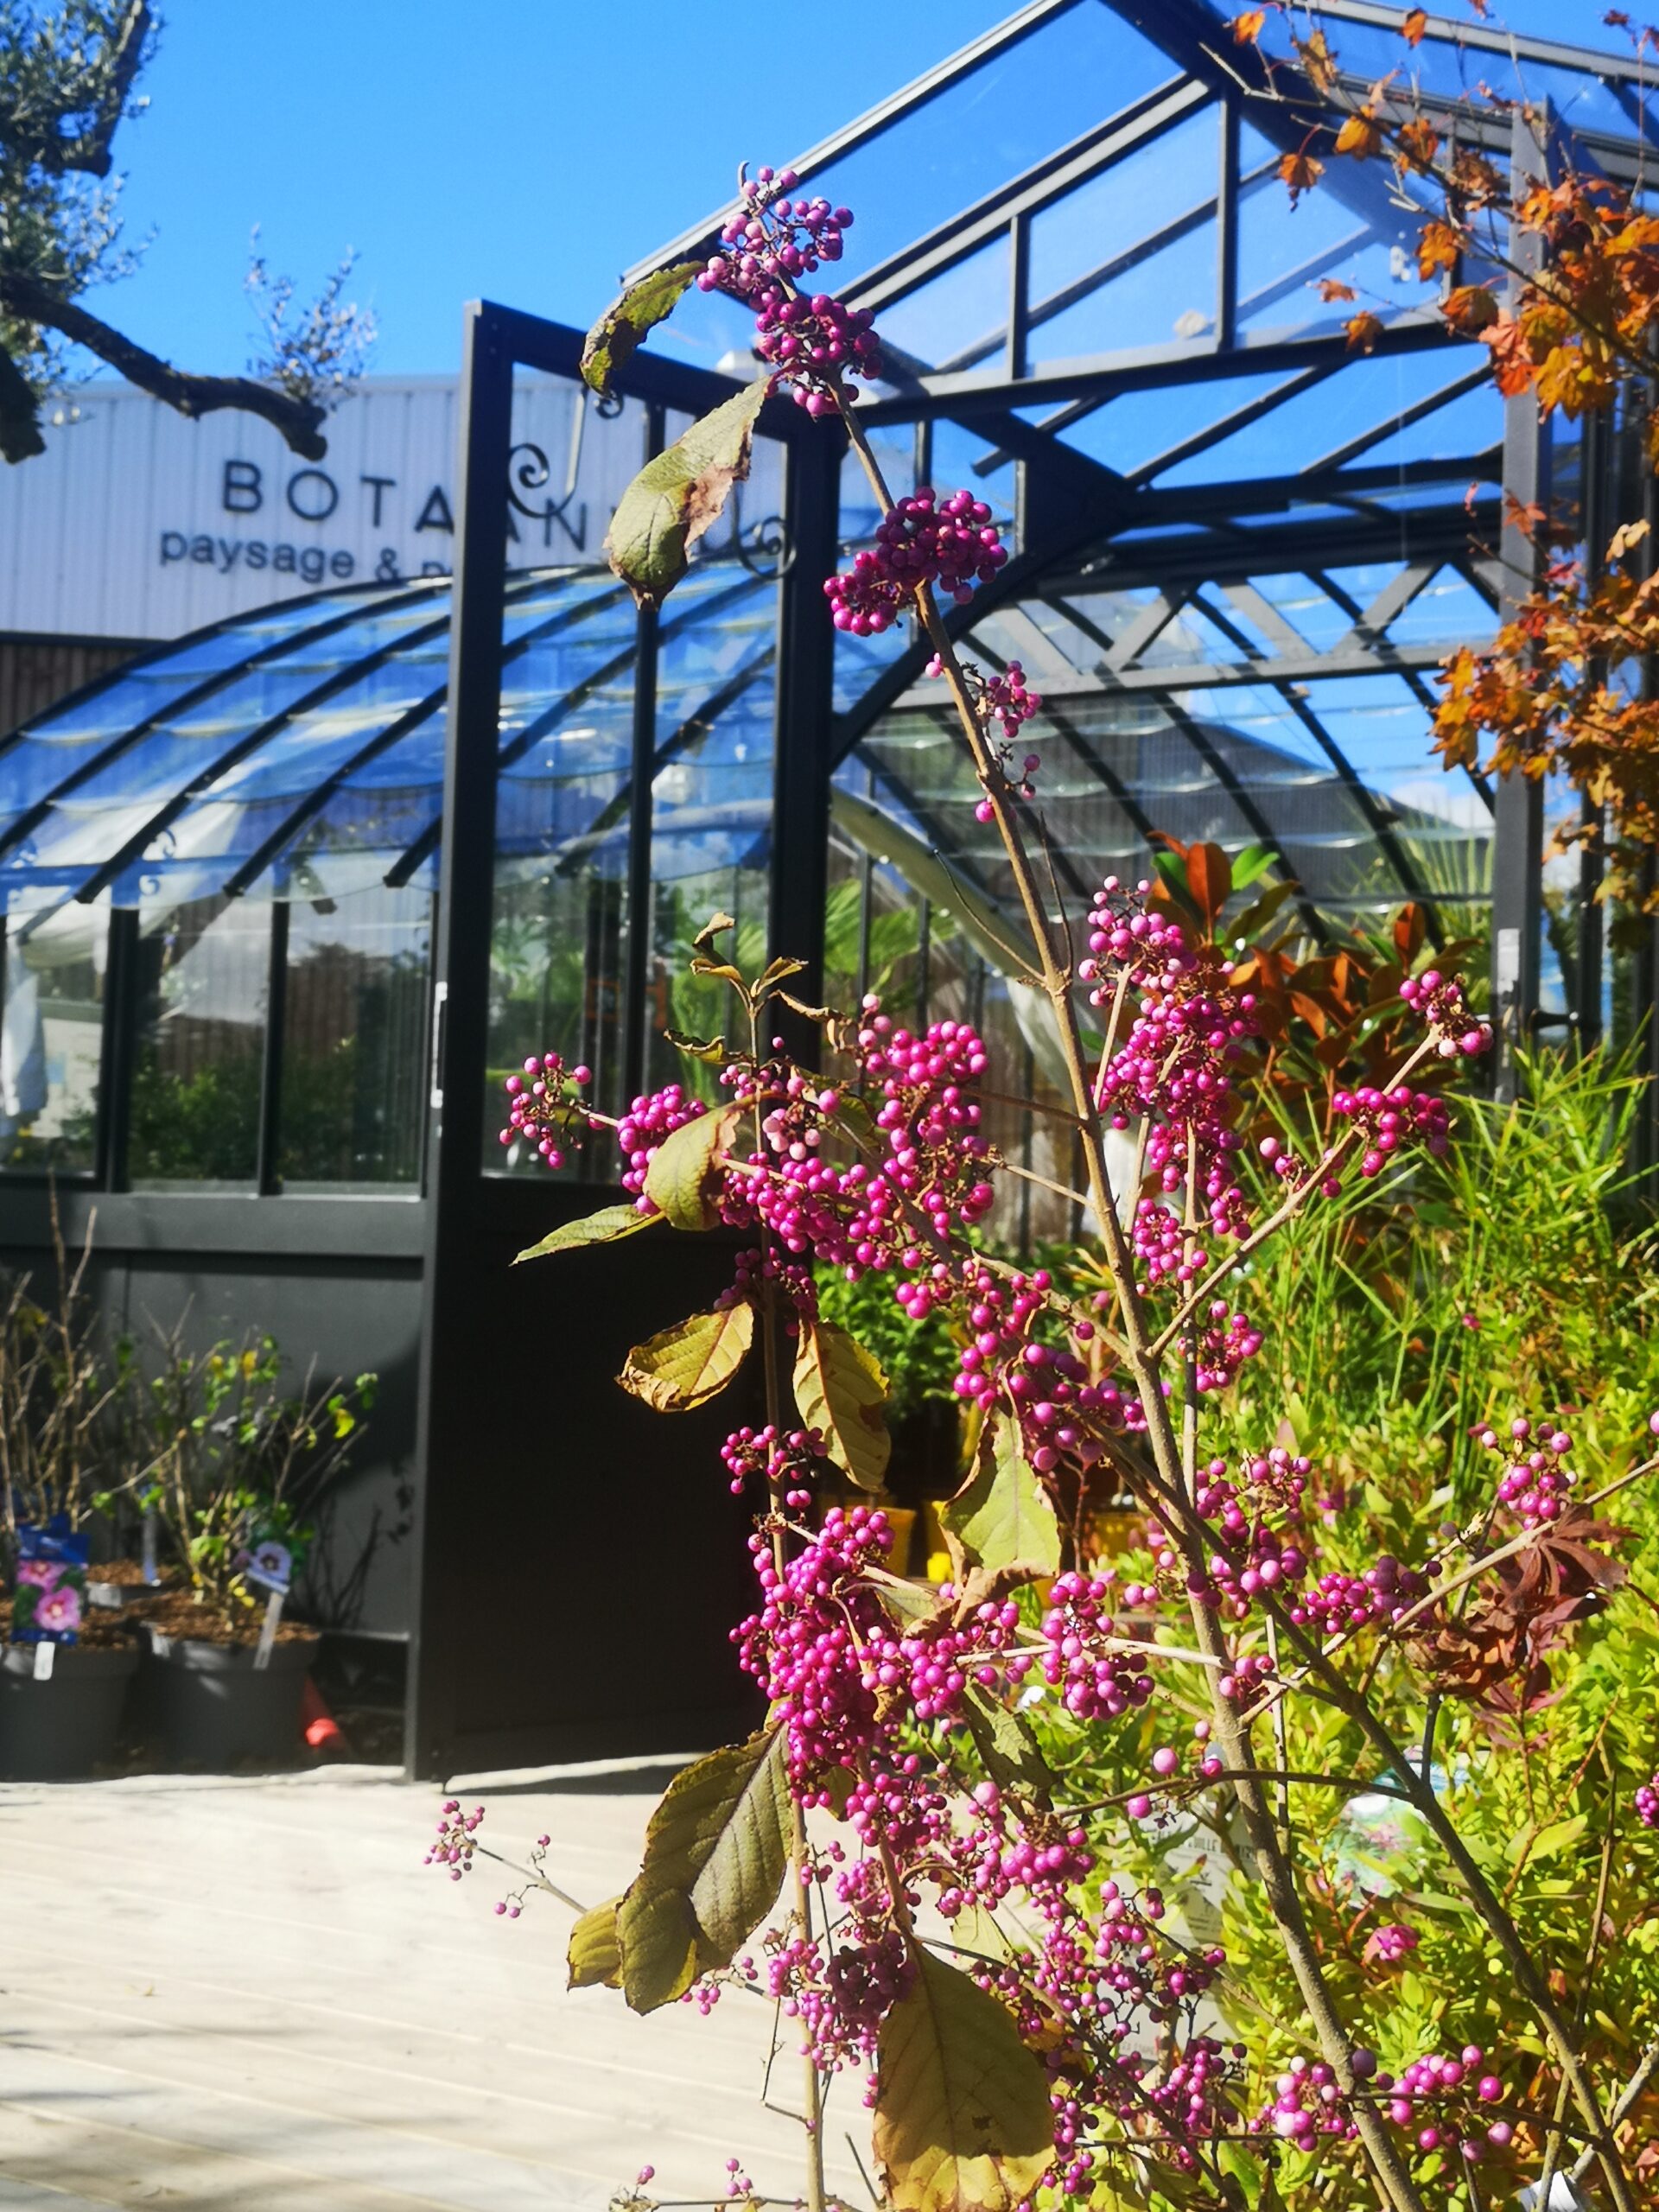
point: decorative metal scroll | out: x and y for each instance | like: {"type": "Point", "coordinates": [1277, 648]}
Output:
{"type": "Point", "coordinates": [528, 470]}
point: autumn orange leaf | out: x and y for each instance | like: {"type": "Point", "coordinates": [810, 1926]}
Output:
{"type": "Point", "coordinates": [1438, 247]}
{"type": "Point", "coordinates": [1471, 307]}
{"type": "Point", "coordinates": [1360, 136]}
{"type": "Point", "coordinates": [1331, 287]}
{"type": "Point", "coordinates": [1247, 29]}
{"type": "Point", "coordinates": [1301, 172]}
{"type": "Point", "coordinates": [1420, 141]}
{"type": "Point", "coordinates": [1415, 25]}
{"type": "Point", "coordinates": [1364, 330]}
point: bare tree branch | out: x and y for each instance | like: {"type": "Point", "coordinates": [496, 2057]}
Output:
{"type": "Point", "coordinates": [298, 420]}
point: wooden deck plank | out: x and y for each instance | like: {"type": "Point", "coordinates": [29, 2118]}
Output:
{"type": "Point", "coordinates": [252, 1994]}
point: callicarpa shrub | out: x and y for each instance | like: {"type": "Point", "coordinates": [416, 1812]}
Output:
{"type": "Point", "coordinates": [901, 1857]}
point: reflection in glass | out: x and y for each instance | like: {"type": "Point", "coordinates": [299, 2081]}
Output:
{"type": "Point", "coordinates": [51, 1030]}
{"type": "Point", "coordinates": [203, 975]}
{"type": "Point", "coordinates": [354, 1041]}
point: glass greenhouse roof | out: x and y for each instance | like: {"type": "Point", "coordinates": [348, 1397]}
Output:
{"type": "Point", "coordinates": [1241, 548]}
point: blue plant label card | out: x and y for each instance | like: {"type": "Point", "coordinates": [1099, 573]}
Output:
{"type": "Point", "coordinates": [269, 1566]}
{"type": "Point", "coordinates": [48, 1602]}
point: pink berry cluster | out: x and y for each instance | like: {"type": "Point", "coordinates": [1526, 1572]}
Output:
{"type": "Point", "coordinates": [1006, 703]}
{"type": "Point", "coordinates": [803, 1645]}
{"type": "Point", "coordinates": [789, 1464]}
{"type": "Point", "coordinates": [1308, 2104]}
{"type": "Point", "coordinates": [1647, 1802]}
{"type": "Point", "coordinates": [1536, 1480]}
{"type": "Point", "coordinates": [1386, 1119]}
{"type": "Point", "coordinates": [1438, 1000]}
{"type": "Point", "coordinates": [1064, 1411]}
{"type": "Point", "coordinates": [923, 541]}
{"type": "Point", "coordinates": [1453, 2088]}
{"type": "Point", "coordinates": [1096, 1680]}
{"type": "Point", "coordinates": [768, 247]}
{"type": "Point", "coordinates": [456, 1840]}
{"type": "Point", "coordinates": [642, 1130]}
{"type": "Point", "coordinates": [542, 1105]}
{"type": "Point", "coordinates": [1341, 1604]}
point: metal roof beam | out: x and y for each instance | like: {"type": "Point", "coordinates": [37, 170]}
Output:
{"type": "Point", "coordinates": [1417, 412]}
{"type": "Point", "coordinates": [1148, 367]}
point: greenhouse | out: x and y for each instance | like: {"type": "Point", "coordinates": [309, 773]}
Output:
{"type": "Point", "coordinates": [284, 901]}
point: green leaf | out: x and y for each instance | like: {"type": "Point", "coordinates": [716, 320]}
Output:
{"type": "Point", "coordinates": [691, 1363]}
{"type": "Point", "coordinates": [677, 1180]}
{"type": "Point", "coordinates": [963, 2122]}
{"type": "Point", "coordinates": [1006, 1744]}
{"type": "Point", "coordinates": [1003, 1518]}
{"type": "Point", "coordinates": [840, 1391]}
{"type": "Point", "coordinates": [601, 1227]}
{"type": "Point", "coordinates": [1256, 916]}
{"type": "Point", "coordinates": [1251, 865]}
{"type": "Point", "coordinates": [616, 336]}
{"type": "Point", "coordinates": [594, 1951]}
{"type": "Point", "coordinates": [715, 1853]}
{"type": "Point", "coordinates": [1547, 1841]}
{"type": "Point", "coordinates": [676, 497]}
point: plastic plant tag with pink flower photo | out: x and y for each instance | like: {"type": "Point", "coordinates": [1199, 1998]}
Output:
{"type": "Point", "coordinates": [48, 1602]}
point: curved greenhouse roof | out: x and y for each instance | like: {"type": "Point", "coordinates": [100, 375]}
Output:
{"type": "Point", "coordinates": [298, 753]}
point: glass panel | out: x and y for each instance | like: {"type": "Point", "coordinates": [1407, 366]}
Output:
{"type": "Point", "coordinates": [203, 972]}
{"type": "Point", "coordinates": [51, 1038]}
{"type": "Point", "coordinates": [989, 126]}
{"type": "Point", "coordinates": [355, 1058]}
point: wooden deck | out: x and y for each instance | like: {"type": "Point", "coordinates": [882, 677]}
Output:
{"type": "Point", "coordinates": [251, 1995]}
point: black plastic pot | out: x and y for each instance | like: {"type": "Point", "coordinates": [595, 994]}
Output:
{"type": "Point", "coordinates": [209, 1708]}
{"type": "Point", "coordinates": [61, 1729]}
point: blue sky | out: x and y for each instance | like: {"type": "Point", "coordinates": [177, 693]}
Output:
{"type": "Point", "coordinates": [525, 151]}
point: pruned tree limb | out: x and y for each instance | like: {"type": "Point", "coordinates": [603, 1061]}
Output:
{"type": "Point", "coordinates": [299, 420]}
{"type": "Point", "coordinates": [20, 414]}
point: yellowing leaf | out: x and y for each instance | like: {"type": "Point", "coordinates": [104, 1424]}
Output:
{"type": "Point", "coordinates": [1364, 330]}
{"type": "Point", "coordinates": [601, 1227]}
{"type": "Point", "coordinates": [840, 1391]}
{"type": "Point", "coordinates": [691, 1363]}
{"type": "Point", "coordinates": [1003, 1518]}
{"type": "Point", "coordinates": [1247, 29]}
{"type": "Point", "coordinates": [1360, 136]}
{"type": "Point", "coordinates": [593, 1955]}
{"type": "Point", "coordinates": [1627, 535]}
{"type": "Point", "coordinates": [677, 496]}
{"type": "Point", "coordinates": [1415, 25]}
{"type": "Point", "coordinates": [681, 1169]}
{"type": "Point", "coordinates": [716, 1851]}
{"type": "Point", "coordinates": [617, 333]}
{"type": "Point", "coordinates": [963, 2121]}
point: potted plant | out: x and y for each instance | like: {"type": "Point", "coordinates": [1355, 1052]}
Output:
{"type": "Point", "coordinates": [235, 1469]}
{"type": "Point", "coordinates": [66, 1664]}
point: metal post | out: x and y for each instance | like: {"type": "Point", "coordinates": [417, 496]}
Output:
{"type": "Point", "coordinates": [116, 1052]}
{"type": "Point", "coordinates": [1596, 450]}
{"type": "Point", "coordinates": [804, 727]}
{"type": "Point", "coordinates": [270, 1154]}
{"type": "Point", "coordinates": [641, 775]}
{"type": "Point", "coordinates": [1227, 230]}
{"type": "Point", "coordinates": [1517, 826]}
{"type": "Point", "coordinates": [1018, 291]}
{"type": "Point", "coordinates": [444, 1459]}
